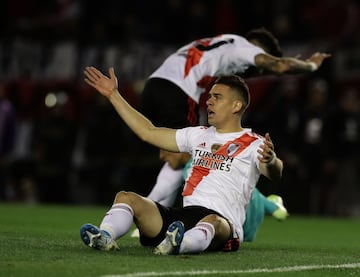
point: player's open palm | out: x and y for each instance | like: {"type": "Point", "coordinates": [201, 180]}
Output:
{"type": "Point", "coordinates": [106, 86]}
{"type": "Point", "coordinates": [318, 58]}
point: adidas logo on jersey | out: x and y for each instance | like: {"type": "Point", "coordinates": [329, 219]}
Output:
{"type": "Point", "coordinates": [202, 145]}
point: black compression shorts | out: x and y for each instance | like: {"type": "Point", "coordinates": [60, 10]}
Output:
{"type": "Point", "coordinates": [167, 105]}
{"type": "Point", "coordinates": [190, 216]}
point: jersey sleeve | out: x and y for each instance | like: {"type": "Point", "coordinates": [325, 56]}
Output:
{"type": "Point", "coordinates": [245, 53]}
{"type": "Point", "coordinates": [186, 138]}
{"type": "Point", "coordinates": [251, 52]}
{"type": "Point", "coordinates": [182, 140]}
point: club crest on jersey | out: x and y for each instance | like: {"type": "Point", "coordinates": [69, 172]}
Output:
{"type": "Point", "coordinates": [232, 148]}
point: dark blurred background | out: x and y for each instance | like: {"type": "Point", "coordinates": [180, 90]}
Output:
{"type": "Point", "coordinates": [60, 142]}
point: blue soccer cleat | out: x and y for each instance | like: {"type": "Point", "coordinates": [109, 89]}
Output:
{"type": "Point", "coordinates": [171, 243]}
{"type": "Point", "coordinates": [98, 239]}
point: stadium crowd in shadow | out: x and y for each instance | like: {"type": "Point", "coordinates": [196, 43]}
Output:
{"type": "Point", "coordinates": [62, 143]}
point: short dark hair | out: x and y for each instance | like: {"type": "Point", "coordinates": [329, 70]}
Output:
{"type": "Point", "coordinates": [237, 83]}
{"type": "Point", "coordinates": [266, 39]}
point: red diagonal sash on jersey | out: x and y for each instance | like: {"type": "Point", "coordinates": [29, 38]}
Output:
{"type": "Point", "coordinates": [199, 172]}
{"type": "Point", "coordinates": [193, 57]}
{"type": "Point", "coordinates": [242, 142]}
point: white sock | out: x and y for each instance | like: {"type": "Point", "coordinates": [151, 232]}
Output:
{"type": "Point", "coordinates": [118, 220]}
{"type": "Point", "coordinates": [168, 183]}
{"type": "Point", "coordinates": [198, 238]}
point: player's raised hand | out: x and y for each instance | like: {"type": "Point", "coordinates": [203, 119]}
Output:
{"type": "Point", "coordinates": [106, 86]}
{"type": "Point", "coordinates": [317, 58]}
{"type": "Point", "coordinates": [266, 151]}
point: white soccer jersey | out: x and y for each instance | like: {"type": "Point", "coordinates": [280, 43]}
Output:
{"type": "Point", "coordinates": [195, 65]}
{"type": "Point", "coordinates": [225, 170]}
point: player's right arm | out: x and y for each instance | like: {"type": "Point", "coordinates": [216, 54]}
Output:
{"type": "Point", "coordinates": [164, 138]}
{"type": "Point", "coordinates": [271, 64]}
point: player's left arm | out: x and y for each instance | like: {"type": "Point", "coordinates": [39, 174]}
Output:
{"type": "Point", "coordinates": [270, 165]}
{"type": "Point", "coordinates": [276, 65]}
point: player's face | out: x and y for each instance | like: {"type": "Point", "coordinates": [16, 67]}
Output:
{"type": "Point", "coordinates": [220, 105]}
{"type": "Point", "coordinates": [175, 160]}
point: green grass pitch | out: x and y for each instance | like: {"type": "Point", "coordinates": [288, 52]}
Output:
{"type": "Point", "coordinates": [42, 240]}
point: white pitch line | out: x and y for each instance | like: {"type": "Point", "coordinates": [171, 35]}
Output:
{"type": "Point", "coordinates": [246, 271]}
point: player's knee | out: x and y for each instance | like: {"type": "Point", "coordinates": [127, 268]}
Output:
{"type": "Point", "coordinates": [220, 224]}
{"type": "Point", "coordinates": [126, 197]}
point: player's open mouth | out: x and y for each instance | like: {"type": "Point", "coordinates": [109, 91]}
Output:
{"type": "Point", "coordinates": [210, 113]}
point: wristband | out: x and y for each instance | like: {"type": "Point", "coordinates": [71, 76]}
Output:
{"type": "Point", "coordinates": [272, 161]}
{"type": "Point", "coordinates": [313, 66]}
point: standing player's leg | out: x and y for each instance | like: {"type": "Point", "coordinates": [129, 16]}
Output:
{"type": "Point", "coordinates": [167, 186]}
{"type": "Point", "coordinates": [167, 105]}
